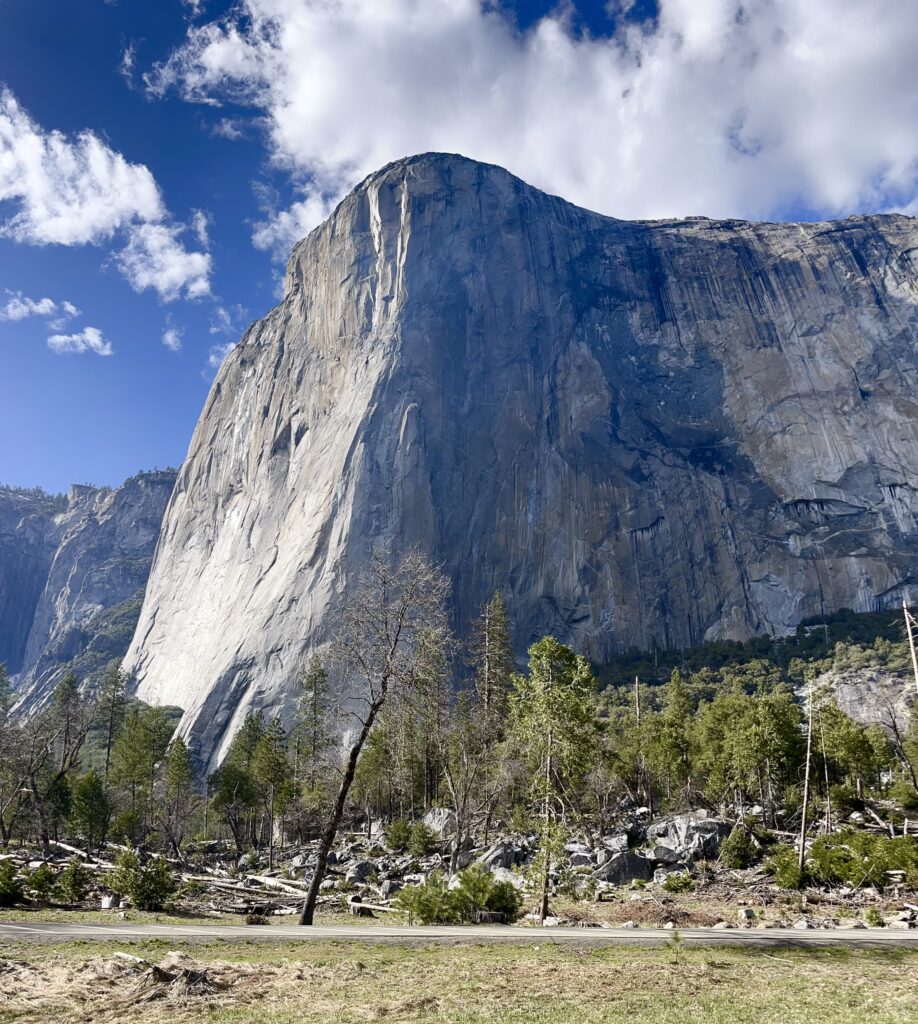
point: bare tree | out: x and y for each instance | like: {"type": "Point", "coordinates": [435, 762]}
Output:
{"type": "Point", "coordinates": [378, 652]}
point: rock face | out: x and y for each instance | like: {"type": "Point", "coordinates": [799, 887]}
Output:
{"type": "Point", "coordinates": [642, 433]}
{"type": "Point", "coordinates": [72, 575]}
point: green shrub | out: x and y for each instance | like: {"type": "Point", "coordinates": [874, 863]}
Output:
{"type": "Point", "coordinates": [430, 903]}
{"type": "Point", "coordinates": [783, 864]}
{"type": "Point", "coordinates": [10, 887]}
{"type": "Point", "coordinates": [422, 840]}
{"type": "Point", "coordinates": [398, 835]}
{"type": "Point", "coordinates": [126, 827]}
{"type": "Point", "coordinates": [476, 892]}
{"type": "Point", "coordinates": [41, 883]}
{"type": "Point", "coordinates": [745, 845]}
{"type": "Point", "coordinates": [148, 886]}
{"type": "Point", "coordinates": [678, 881]}
{"type": "Point", "coordinates": [74, 882]}
{"type": "Point", "coordinates": [862, 858]}
{"type": "Point", "coordinates": [873, 917]}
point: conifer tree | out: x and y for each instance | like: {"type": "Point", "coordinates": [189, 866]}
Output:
{"type": "Point", "coordinates": [90, 811]}
{"type": "Point", "coordinates": [553, 722]}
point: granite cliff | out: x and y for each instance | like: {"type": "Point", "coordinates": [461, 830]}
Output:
{"type": "Point", "coordinates": [72, 575]}
{"type": "Point", "coordinates": [642, 433]}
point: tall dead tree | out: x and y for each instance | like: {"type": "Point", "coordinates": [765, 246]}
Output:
{"type": "Point", "coordinates": [378, 652]}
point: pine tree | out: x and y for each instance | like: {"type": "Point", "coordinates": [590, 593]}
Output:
{"type": "Point", "coordinates": [90, 810]}
{"type": "Point", "coordinates": [492, 660]}
{"type": "Point", "coordinates": [178, 794]}
{"type": "Point", "coordinates": [111, 706]}
{"type": "Point", "coordinates": [270, 770]}
{"type": "Point", "coordinates": [553, 722]}
{"type": "Point", "coordinates": [312, 737]}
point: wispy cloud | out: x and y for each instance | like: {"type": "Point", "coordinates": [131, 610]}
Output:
{"type": "Point", "coordinates": [218, 354]}
{"type": "Point", "coordinates": [90, 339]}
{"type": "Point", "coordinates": [172, 337]}
{"type": "Point", "coordinates": [76, 190]}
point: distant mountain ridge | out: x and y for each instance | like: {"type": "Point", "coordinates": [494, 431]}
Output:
{"type": "Point", "coordinates": [72, 576]}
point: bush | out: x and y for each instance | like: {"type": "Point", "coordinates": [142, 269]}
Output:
{"type": "Point", "coordinates": [430, 903]}
{"type": "Point", "coordinates": [74, 882]}
{"type": "Point", "coordinates": [783, 864]}
{"type": "Point", "coordinates": [42, 882]}
{"type": "Point", "coordinates": [126, 827]}
{"type": "Point", "coordinates": [422, 840]}
{"type": "Point", "coordinates": [10, 887]}
{"type": "Point", "coordinates": [475, 892]}
{"type": "Point", "coordinates": [873, 918]}
{"type": "Point", "coordinates": [862, 858]}
{"type": "Point", "coordinates": [398, 836]}
{"type": "Point", "coordinates": [745, 845]}
{"type": "Point", "coordinates": [678, 881]}
{"type": "Point", "coordinates": [148, 886]}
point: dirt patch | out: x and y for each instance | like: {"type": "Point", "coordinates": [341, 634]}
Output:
{"type": "Point", "coordinates": [105, 987]}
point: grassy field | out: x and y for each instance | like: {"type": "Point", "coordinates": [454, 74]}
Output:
{"type": "Point", "coordinates": [282, 983]}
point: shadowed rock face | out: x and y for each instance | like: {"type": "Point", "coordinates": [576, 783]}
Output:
{"type": "Point", "coordinates": [642, 433]}
{"type": "Point", "coordinates": [72, 573]}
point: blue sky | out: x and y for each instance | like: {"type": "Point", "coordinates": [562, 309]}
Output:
{"type": "Point", "coordinates": [219, 133]}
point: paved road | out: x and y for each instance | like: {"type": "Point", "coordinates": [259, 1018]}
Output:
{"type": "Point", "coordinates": [855, 938]}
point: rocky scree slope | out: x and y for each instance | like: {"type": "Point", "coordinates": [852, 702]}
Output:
{"type": "Point", "coordinates": [72, 576]}
{"type": "Point", "coordinates": [642, 433]}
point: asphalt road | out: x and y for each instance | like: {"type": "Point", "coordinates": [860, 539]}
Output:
{"type": "Point", "coordinates": [850, 937]}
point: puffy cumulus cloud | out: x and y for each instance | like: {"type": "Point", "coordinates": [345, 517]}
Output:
{"type": "Point", "coordinates": [90, 339]}
{"type": "Point", "coordinates": [156, 258]}
{"type": "Point", "coordinates": [68, 191]}
{"type": "Point", "coordinates": [19, 307]}
{"type": "Point", "coordinates": [723, 107]}
{"type": "Point", "coordinates": [77, 190]}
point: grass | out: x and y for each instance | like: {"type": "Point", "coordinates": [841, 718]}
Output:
{"type": "Point", "coordinates": [283, 983]}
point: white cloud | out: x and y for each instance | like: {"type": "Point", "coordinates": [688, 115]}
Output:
{"type": "Point", "coordinates": [19, 307]}
{"type": "Point", "coordinates": [156, 258]}
{"type": "Point", "coordinates": [88, 340]}
{"type": "Point", "coordinates": [68, 191]}
{"type": "Point", "coordinates": [228, 321]}
{"type": "Point", "coordinates": [723, 107]}
{"type": "Point", "coordinates": [77, 191]}
{"type": "Point", "coordinates": [172, 338]}
{"type": "Point", "coordinates": [218, 353]}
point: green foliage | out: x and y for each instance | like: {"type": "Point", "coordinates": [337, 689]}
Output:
{"type": "Point", "coordinates": [398, 835]}
{"type": "Point", "coordinates": [430, 903]}
{"type": "Point", "coordinates": [475, 892]}
{"type": "Point", "coordinates": [74, 881]}
{"type": "Point", "coordinates": [862, 858]}
{"type": "Point", "coordinates": [422, 841]}
{"type": "Point", "coordinates": [783, 864]}
{"type": "Point", "coordinates": [126, 827]}
{"type": "Point", "coordinates": [90, 810]}
{"type": "Point", "coordinates": [11, 891]}
{"type": "Point", "coordinates": [873, 918]}
{"type": "Point", "coordinates": [745, 845]}
{"type": "Point", "coordinates": [148, 886]}
{"type": "Point", "coordinates": [42, 882]}
{"type": "Point", "coordinates": [678, 881]}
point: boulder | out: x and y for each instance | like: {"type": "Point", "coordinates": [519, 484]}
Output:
{"type": "Point", "coordinates": [505, 875]}
{"type": "Point", "coordinates": [441, 821]}
{"type": "Point", "coordinates": [625, 867]}
{"type": "Point", "coordinates": [360, 871]}
{"type": "Point", "coordinates": [689, 836]}
{"type": "Point", "coordinates": [503, 854]}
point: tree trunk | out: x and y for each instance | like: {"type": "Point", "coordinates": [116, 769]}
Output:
{"type": "Point", "coordinates": [546, 853]}
{"type": "Point", "coordinates": [334, 821]}
{"type": "Point", "coordinates": [806, 786]}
